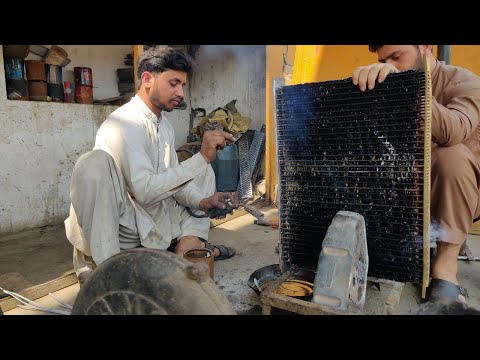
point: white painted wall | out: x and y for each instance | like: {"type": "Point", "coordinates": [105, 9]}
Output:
{"type": "Point", "coordinates": [40, 142]}
{"type": "Point", "coordinates": [39, 145]}
{"type": "Point", "coordinates": [224, 73]}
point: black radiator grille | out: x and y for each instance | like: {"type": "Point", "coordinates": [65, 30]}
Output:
{"type": "Point", "coordinates": [343, 149]}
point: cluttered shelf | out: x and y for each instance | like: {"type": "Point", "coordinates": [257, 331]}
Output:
{"type": "Point", "coordinates": [39, 73]}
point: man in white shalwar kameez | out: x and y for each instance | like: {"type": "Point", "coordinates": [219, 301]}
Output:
{"type": "Point", "coordinates": [130, 190]}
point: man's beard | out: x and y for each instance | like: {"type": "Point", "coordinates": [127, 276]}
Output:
{"type": "Point", "coordinates": [419, 61]}
{"type": "Point", "coordinates": [160, 106]}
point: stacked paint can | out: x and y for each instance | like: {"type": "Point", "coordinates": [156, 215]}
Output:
{"type": "Point", "coordinates": [16, 82]}
{"type": "Point", "coordinates": [54, 82]}
{"type": "Point", "coordinates": [68, 92]}
{"type": "Point", "coordinates": [83, 85]}
{"type": "Point", "coordinates": [37, 80]}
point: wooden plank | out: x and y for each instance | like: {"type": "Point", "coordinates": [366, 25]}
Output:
{"type": "Point", "coordinates": [38, 291]}
{"type": "Point", "coordinates": [137, 52]}
{"type": "Point", "coordinates": [270, 298]}
{"type": "Point", "coordinates": [257, 204]}
{"type": "Point", "coordinates": [273, 70]}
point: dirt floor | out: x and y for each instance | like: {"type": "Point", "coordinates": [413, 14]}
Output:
{"type": "Point", "coordinates": [42, 255]}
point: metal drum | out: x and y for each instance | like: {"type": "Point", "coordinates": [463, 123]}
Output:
{"type": "Point", "coordinates": [83, 76]}
{"type": "Point", "coordinates": [14, 68]}
{"type": "Point", "coordinates": [16, 51]}
{"type": "Point", "coordinates": [55, 91]}
{"type": "Point", "coordinates": [37, 90]}
{"type": "Point", "coordinates": [83, 94]}
{"type": "Point", "coordinates": [54, 74]}
{"type": "Point", "coordinates": [36, 70]}
{"type": "Point", "coordinates": [17, 89]}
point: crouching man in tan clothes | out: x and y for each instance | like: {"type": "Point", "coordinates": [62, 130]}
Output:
{"type": "Point", "coordinates": [455, 177]}
{"type": "Point", "coordinates": [130, 190]}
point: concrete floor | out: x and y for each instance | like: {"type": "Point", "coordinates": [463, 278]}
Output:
{"type": "Point", "coordinates": [255, 246]}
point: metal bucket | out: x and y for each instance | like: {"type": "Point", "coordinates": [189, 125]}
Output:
{"type": "Point", "coordinates": [17, 89]}
{"type": "Point", "coordinates": [36, 70]}
{"type": "Point", "coordinates": [55, 91]}
{"type": "Point", "coordinates": [83, 94]}
{"type": "Point", "coordinates": [14, 68]}
{"type": "Point", "coordinates": [37, 90]}
{"type": "Point", "coordinates": [16, 51]}
{"type": "Point", "coordinates": [54, 74]}
{"type": "Point", "coordinates": [83, 76]}
{"type": "Point", "coordinates": [56, 55]}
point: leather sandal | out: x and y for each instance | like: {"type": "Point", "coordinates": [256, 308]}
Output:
{"type": "Point", "coordinates": [226, 252]}
{"type": "Point", "coordinates": [444, 290]}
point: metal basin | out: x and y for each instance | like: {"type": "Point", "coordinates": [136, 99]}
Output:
{"type": "Point", "coordinates": [269, 273]}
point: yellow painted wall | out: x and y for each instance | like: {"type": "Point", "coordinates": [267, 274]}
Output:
{"type": "Point", "coordinates": [339, 61]}
{"type": "Point", "coordinates": [467, 56]}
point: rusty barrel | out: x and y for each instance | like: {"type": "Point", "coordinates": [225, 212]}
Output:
{"type": "Point", "coordinates": [37, 90]}
{"type": "Point", "coordinates": [83, 94]}
{"type": "Point", "coordinates": [36, 70]}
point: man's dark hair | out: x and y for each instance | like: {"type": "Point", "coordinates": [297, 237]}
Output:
{"type": "Point", "coordinates": [160, 58]}
{"type": "Point", "coordinates": [374, 48]}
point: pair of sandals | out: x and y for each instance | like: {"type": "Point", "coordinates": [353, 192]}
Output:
{"type": "Point", "coordinates": [226, 252]}
{"type": "Point", "coordinates": [446, 291]}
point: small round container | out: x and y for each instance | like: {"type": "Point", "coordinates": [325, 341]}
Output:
{"type": "Point", "coordinates": [201, 255]}
{"type": "Point", "coordinates": [68, 92]}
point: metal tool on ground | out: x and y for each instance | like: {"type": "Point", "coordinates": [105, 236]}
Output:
{"type": "Point", "coordinates": [260, 217]}
{"type": "Point", "coordinates": [256, 213]}
{"type": "Point", "coordinates": [217, 212]}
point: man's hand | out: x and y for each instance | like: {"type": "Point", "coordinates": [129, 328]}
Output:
{"type": "Point", "coordinates": [213, 140]}
{"type": "Point", "coordinates": [366, 75]}
{"type": "Point", "coordinates": [218, 200]}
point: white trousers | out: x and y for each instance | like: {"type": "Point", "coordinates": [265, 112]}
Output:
{"type": "Point", "coordinates": [102, 214]}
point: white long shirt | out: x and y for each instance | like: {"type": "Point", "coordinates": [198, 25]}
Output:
{"type": "Point", "coordinates": [143, 147]}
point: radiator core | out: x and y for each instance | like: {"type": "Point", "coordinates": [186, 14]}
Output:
{"type": "Point", "coordinates": [343, 149]}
